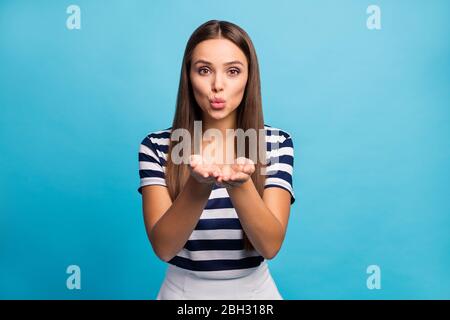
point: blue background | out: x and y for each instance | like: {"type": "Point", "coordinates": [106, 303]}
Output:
{"type": "Point", "coordinates": [368, 111]}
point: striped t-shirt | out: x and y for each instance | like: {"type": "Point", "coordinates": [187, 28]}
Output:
{"type": "Point", "coordinates": [215, 249]}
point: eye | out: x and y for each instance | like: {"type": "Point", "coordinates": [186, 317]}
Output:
{"type": "Point", "coordinates": [203, 71]}
{"type": "Point", "coordinates": [234, 71]}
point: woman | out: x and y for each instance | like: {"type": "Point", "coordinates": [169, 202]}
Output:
{"type": "Point", "coordinates": [216, 222]}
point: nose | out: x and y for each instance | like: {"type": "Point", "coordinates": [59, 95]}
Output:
{"type": "Point", "coordinates": [217, 83]}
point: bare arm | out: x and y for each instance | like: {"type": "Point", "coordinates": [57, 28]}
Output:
{"type": "Point", "coordinates": [264, 220]}
{"type": "Point", "coordinates": [168, 224]}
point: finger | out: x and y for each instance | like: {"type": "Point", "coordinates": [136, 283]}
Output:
{"type": "Point", "coordinates": [250, 161]}
{"type": "Point", "coordinates": [201, 171]}
{"type": "Point", "coordinates": [226, 170]}
{"type": "Point", "coordinates": [235, 175]}
{"type": "Point", "coordinates": [239, 177]}
{"type": "Point", "coordinates": [214, 172]}
{"type": "Point", "coordinates": [227, 173]}
{"type": "Point", "coordinates": [192, 161]}
{"type": "Point", "coordinates": [241, 160]}
{"type": "Point", "coordinates": [196, 159]}
{"type": "Point", "coordinates": [249, 168]}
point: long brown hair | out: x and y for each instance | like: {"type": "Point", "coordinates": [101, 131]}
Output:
{"type": "Point", "coordinates": [249, 112]}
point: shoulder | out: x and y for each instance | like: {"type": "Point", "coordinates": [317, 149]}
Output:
{"type": "Point", "coordinates": [156, 143]}
{"type": "Point", "coordinates": [157, 137]}
{"type": "Point", "coordinates": [274, 134]}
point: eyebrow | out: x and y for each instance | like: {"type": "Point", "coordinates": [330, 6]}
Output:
{"type": "Point", "coordinates": [225, 64]}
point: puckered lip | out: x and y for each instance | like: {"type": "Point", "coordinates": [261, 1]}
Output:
{"type": "Point", "coordinates": [217, 100]}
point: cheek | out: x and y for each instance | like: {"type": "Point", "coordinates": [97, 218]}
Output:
{"type": "Point", "coordinates": [200, 89]}
{"type": "Point", "coordinates": [238, 89]}
{"type": "Point", "coordinates": [196, 85]}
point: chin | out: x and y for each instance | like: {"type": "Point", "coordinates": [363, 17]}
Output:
{"type": "Point", "coordinates": [218, 114]}
{"type": "Point", "coordinates": [218, 117]}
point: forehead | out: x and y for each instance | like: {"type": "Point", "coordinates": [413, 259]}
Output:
{"type": "Point", "coordinates": [218, 51]}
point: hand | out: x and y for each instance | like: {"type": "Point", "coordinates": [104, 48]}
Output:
{"type": "Point", "coordinates": [237, 173]}
{"type": "Point", "coordinates": [202, 171]}
{"type": "Point", "coordinates": [224, 175]}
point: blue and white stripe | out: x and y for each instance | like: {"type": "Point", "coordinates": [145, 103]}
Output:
{"type": "Point", "coordinates": [215, 249]}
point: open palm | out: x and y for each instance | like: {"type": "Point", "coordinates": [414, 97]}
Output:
{"type": "Point", "coordinates": [227, 175]}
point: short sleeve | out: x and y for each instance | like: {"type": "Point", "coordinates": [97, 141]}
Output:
{"type": "Point", "coordinates": [280, 164]}
{"type": "Point", "coordinates": [151, 170]}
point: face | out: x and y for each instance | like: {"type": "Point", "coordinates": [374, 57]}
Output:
{"type": "Point", "coordinates": [219, 72]}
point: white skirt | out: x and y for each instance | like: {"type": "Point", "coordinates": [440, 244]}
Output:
{"type": "Point", "coordinates": [182, 284]}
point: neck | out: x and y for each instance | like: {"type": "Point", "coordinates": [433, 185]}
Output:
{"type": "Point", "coordinates": [230, 122]}
{"type": "Point", "coordinates": [221, 124]}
